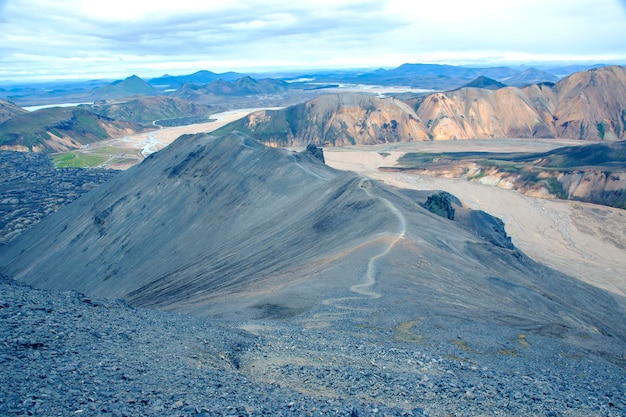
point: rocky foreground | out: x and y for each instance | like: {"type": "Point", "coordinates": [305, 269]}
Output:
{"type": "Point", "coordinates": [68, 354]}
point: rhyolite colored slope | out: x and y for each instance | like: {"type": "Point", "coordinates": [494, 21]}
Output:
{"type": "Point", "coordinates": [589, 105]}
{"type": "Point", "coordinates": [334, 120]}
{"type": "Point", "coordinates": [229, 227]}
{"type": "Point", "coordinates": [58, 129]}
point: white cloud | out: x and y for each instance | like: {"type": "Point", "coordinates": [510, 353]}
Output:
{"type": "Point", "coordinates": [121, 37]}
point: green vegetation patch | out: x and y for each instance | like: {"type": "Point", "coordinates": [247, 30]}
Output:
{"type": "Point", "coordinates": [555, 188]}
{"type": "Point", "coordinates": [419, 159]}
{"type": "Point", "coordinates": [607, 156]}
{"type": "Point", "coordinates": [76, 159]}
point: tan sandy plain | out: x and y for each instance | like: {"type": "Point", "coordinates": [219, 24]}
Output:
{"type": "Point", "coordinates": [586, 241]}
{"type": "Point", "coordinates": [135, 148]}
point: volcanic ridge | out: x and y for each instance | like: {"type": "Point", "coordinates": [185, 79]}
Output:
{"type": "Point", "coordinates": [316, 269]}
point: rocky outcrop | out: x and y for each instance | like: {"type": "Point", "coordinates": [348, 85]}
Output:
{"type": "Point", "coordinates": [315, 152]}
{"type": "Point", "coordinates": [484, 225]}
{"type": "Point", "coordinates": [440, 204]}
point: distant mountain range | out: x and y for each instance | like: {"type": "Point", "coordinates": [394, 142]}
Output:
{"type": "Point", "coordinates": [425, 76]}
{"type": "Point", "coordinates": [445, 77]}
{"type": "Point", "coordinates": [200, 77]}
{"type": "Point", "coordinates": [130, 86]}
{"type": "Point", "coordinates": [529, 76]}
{"type": "Point", "coordinates": [240, 87]}
{"type": "Point", "coordinates": [123, 107]}
{"type": "Point", "coordinates": [588, 105]}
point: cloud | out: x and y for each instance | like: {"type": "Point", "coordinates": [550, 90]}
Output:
{"type": "Point", "coordinates": [119, 37]}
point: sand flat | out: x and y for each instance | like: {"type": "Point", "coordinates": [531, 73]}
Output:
{"type": "Point", "coordinates": [143, 144]}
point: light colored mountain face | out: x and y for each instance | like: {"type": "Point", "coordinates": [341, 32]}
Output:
{"type": "Point", "coordinates": [592, 104]}
{"type": "Point", "coordinates": [229, 227]}
{"type": "Point", "coordinates": [339, 120]}
{"type": "Point", "coordinates": [478, 113]}
{"type": "Point", "coordinates": [589, 105]}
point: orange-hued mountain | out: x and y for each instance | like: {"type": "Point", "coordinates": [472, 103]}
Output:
{"type": "Point", "coordinates": [589, 105]}
{"type": "Point", "coordinates": [335, 120]}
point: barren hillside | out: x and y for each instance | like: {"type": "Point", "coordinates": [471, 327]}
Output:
{"type": "Point", "coordinates": [335, 119]}
{"type": "Point", "coordinates": [229, 227]}
{"type": "Point", "coordinates": [589, 105]}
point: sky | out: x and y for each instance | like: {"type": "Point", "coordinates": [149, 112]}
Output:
{"type": "Point", "coordinates": [74, 39]}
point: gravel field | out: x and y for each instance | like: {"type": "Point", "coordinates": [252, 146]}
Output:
{"type": "Point", "coordinates": [67, 354]}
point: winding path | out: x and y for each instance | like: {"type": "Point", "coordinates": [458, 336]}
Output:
{"type": "Point", "coordinates": [365, 288]}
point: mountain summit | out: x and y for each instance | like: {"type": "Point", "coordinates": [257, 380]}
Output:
{"type": "Point", "coordinates": [127, 87]}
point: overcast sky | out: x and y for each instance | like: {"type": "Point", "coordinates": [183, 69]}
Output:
{"type": "Point", "coordinates": [116, 38]}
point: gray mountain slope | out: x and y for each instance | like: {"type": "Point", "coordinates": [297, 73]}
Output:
{"type": "Point", "coordinates": [227, 227]}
